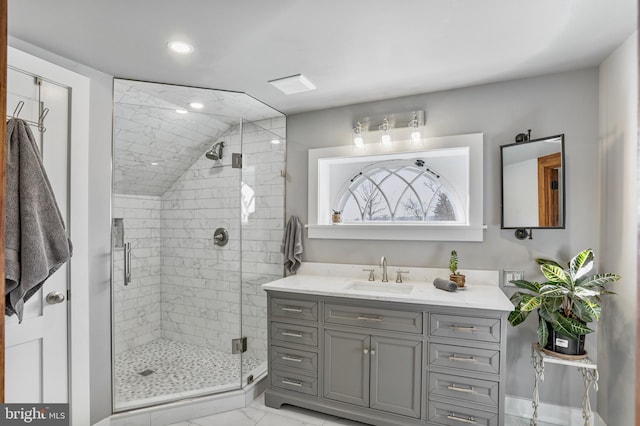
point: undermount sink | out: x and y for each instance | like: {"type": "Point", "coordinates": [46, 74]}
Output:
{"type": "Point", "coordinates": [389, 287]}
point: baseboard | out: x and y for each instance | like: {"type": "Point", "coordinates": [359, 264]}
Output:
{"type": "Point", "coordinates": [548, 413]}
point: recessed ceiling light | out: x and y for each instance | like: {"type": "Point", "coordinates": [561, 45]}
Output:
{"type": "Point", "coordinates": [180, 47]}
{"type": "Point", "coordinates": [196, 105]}
{"type": "Point", "coordinates": [182, 111]}
{"type": "Point", "coordinates": [293, 84]}
{"type": "Point", "coordinates": [153, 163]}
{"type": "Point", "coordinates": [275, 141]}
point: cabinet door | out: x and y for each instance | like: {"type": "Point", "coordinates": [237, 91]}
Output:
{"type": "Point", "coordinates": [396, 375]}
{"type": "Point", "coordinates": [346, 367]}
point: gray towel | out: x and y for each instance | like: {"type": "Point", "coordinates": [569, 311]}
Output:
{"type": "Point", "coordinates": [36, 243]}
{"type": "Point", "coordinates": [445, 284]}
{"type": "Point", "coordinates": [291, 246]}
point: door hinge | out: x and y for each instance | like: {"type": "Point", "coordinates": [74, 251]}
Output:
{"type": "Point", "coordinates": [68, 295]}
{"type": "Point", "coordinates": [239, 346]}
{"type": "Point", "coordinates": [236, 160]}
{"type": "Point", "coordinates": [554, 184]}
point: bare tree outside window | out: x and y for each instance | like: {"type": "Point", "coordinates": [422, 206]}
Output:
{"type": "Point", "coordinates": [373, 201]}
{"type": "Point", "coordinates": [413, 208]}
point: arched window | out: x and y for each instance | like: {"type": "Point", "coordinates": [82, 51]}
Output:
{"type": "Point", "coordinates": [399, 191]}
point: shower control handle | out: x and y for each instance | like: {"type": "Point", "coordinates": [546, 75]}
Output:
{"type": "Point", "coordinates": [220, 237]}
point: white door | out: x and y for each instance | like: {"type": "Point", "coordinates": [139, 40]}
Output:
{"type": "Point", "coordinates": [36, 350]}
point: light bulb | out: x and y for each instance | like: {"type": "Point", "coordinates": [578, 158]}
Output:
{"type": "Point", "coordinates": [182, 111]}
{"type": "Point", "coordinates": [385, 139]}
{"type": "Point", "coordinates": [415, 130]}
{"type": "Point", "coordinates": [415, 136]}
{"type": "Point", "coordinates": [275, 141]}
{"type": "Point", "coordinates": [196, 105]}
{"type": "Point", "coordinates": [357, 135]}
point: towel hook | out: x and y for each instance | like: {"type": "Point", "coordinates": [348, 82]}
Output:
{"type": "Point", "coordinates": [18, 110]}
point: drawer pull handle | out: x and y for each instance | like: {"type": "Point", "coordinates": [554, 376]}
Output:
{"type": "Point", "coordinates": [461, 359]}
{"type": "Point", "coordinates": [292, 359]}
{"type": "Point", "coordinates": [363, 318]}
{"type": "Point", "coordinates": [459, 389]}
{"type": "Point", "coordinates": [464, 329]}
{"type": "Point", "coordinates": [296, 310]}
{"type": "Point", "coordinates": [292, 383]}
{"type": "Point", "coordinates": [289, 334]}
{"type": "Point", "coordinates": [469, 420]}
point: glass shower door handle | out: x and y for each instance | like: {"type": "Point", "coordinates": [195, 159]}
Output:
{"type": "Point", "coordinates": [127, 263]}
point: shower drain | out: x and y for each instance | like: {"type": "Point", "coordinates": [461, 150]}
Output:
{"type": "Point", "coordinates": [146, 372]}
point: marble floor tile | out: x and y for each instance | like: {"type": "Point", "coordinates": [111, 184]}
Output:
{"type": "Point", "coordinates": [258, 414]}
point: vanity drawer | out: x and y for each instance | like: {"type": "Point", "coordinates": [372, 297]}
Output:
{"type": "Point", "coordinates": [464, 388]}
{"type": "Point", "coordinates": [292, 333]}
{"type": "Point", "coordinates": [285, 358]}
{"type": "Point", "coordinates": [464, 358]}
{"type": "Point", "coordinates": [294, 382]}
{"type": "Point", "coordinates": [468, 328]}
{"type": "Point", "coordinates": [299, 309]}
{"type": "Point", "coordinates": [383, 319]}
{"type": "Point", "coordinates": [448, 414]}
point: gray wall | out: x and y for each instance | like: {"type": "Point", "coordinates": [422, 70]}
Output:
{"type": "Point", "coordinates": [561, 103]}
{"type": "Point", "coordinates": [99, 225]}
{"type": "Point", "coordinates": [619, 166]}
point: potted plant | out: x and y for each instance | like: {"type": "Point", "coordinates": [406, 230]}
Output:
{"type": "Point", "coordinates": [455, 276]}
{"type": "Point", "coordinates": [566, 302]}
{"type": "Point", "coordinates": [336, 217]}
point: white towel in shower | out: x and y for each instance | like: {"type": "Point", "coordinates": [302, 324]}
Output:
{"type": "Point", "coordinates": [36, 243]}
{"type": "Point", "coordinates": [291, 246]}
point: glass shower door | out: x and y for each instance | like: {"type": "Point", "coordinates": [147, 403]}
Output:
{"type": "Point", "coordinates": [262, 220]}
{"type": "Point", "coordinates": [176, 287]}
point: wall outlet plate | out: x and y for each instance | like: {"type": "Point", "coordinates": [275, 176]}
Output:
{"type": "Point", "coordinates": [509, 275]}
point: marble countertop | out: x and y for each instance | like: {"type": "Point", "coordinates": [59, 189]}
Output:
{"type": "Point", "coordinates": [473, 295]}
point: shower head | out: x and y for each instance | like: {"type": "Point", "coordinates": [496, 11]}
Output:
{"type": "Point", "coordinates": [215, 152]}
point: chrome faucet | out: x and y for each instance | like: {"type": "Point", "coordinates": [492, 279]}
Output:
{"type": "Point", "coordinates": [383, 265]}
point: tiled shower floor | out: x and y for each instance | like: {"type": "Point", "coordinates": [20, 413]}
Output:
{"type": "Point", "coordinates": [176, 370]}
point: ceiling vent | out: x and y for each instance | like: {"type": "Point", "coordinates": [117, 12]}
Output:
{"type": "Point", "coordinates": [293, 84]}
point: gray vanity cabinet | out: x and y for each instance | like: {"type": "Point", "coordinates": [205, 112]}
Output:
{"type": "Point", "coordinates": [386, 363]}
{"type": "Point", "coordinates": [383, 373]}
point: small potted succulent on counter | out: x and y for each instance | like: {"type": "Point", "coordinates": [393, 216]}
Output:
{"type": "Point", "coordinates": [455, 276]}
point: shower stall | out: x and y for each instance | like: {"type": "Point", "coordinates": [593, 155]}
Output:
{"type": "Point", "coordinates": [198, 217]}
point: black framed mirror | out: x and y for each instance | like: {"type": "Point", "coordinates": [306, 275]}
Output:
{"type": "Point", "coordinates": [533, 185]}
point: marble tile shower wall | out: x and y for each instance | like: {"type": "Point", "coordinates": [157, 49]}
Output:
{"type": "Point", "coordinates": [136, 315]}
{"type": "Point", "coordinates": [201, 302]}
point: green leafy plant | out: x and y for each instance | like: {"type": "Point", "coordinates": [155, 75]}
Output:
{"type": "Point", "coordinates": [568, 300]}
{"type": "Point", "coordinates": [453, 262]}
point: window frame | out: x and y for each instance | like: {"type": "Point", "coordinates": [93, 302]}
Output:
{"type": "Point", "coordinates": [319, 225]}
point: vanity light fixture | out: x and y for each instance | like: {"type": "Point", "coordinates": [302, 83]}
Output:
{"type": "Point", "coordinates": [385, 139]}
{"type": "Point", "coordinates": [180, 47]}
{"type": "Point", "coordinates": [397, 126]}
{"type": "Point", "coordinates": [358, 141]}
{"type": "Point", "coordinates": [196, 105]}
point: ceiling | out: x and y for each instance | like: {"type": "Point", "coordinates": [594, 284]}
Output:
{"type": "Point", "coordinates": [354, 51]}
